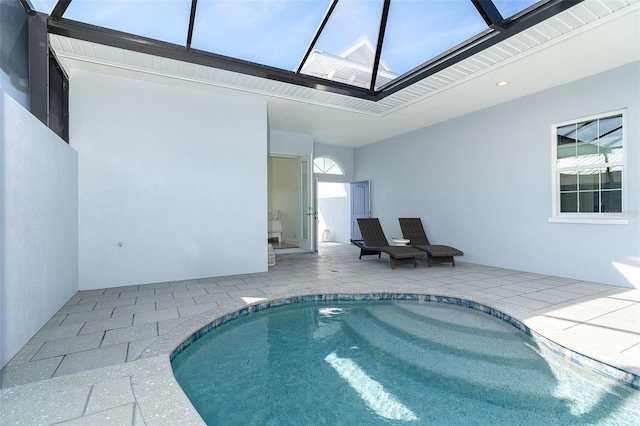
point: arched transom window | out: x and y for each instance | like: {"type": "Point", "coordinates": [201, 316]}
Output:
{"type": "Point", "coordinates": [327, 166]}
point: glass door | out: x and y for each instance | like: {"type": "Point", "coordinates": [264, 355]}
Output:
{"type": "Point", "coordinates": [308, 214]}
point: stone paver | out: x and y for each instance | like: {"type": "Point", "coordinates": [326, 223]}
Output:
{"type": "Point", "coordinates": [104, 357]}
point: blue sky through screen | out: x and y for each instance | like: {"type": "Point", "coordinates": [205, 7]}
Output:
{"type": "Point", "coordinates": [418, 31]}
{"type": "Point", "coordinates": [164, 20]}
{"type": "Point", "coordinates": [350, 21]}
{"type": "Point", "coordinates": [275, 33]}
{"type": "Point", "coordinates": [44, 6]}
{"type": "Point", "coordinates": [508, 8]}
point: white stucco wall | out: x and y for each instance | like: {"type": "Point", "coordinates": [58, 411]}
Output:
{"type": "Point", "coordinates": [482, 183]}
{"type": "Point", "coordinates": [38, 225]}
{"type": "Point", "coordinates": [177, 175]}
{"type": "Point", "coordinates": [289, 144]}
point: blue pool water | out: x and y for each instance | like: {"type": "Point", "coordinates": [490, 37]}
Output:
{"type": "Point", "coordinates": [390, 363]}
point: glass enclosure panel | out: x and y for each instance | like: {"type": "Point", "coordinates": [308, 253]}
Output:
{"type": "Point", "coordinates": [44, 6]}
{"type": "Point", "coordinates": [160, 20]}
{"type": "Point", "coordinates": [274, 33]}
{"type": "Point", "coordinates": [589, 179]}
{"type": "Point", "coordinates": [589, 202]}
{"type": "Point", "coordinates": [418, 31]}
{"type": "Point", "coordinates": [568, 181]}
{"type": "Point", "coordinates": [345, 51]}
{"type": "Point", "coordinates": [569, 202]}
{"type": "Point", "coordinates": [611, 201]}
{"type": "Point", "coordinates": [508, 8]}
{"type": "Point", "coordinates": [14, 54]}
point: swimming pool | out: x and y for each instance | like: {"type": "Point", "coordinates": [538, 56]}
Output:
{"type": "Point", "coordinates": [389, 362]}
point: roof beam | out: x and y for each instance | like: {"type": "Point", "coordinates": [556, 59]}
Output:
{"type": "Point", "coordinates": [376, 61]}
{"type": "Point", "coordinates": [192, 19]}
{"type": "Point", "coordinates": [28, 7]}
{"type": "Point", "coordinates": [490, 14]}
{"type": "Point", "coordinates": [316, 36]}
{"type": "Point", "coordinates": [59, 9]}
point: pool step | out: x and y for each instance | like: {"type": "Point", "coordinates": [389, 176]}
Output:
{"type": "Point", "coordinates": [457, 365]}
{"type": "Point", "coordinates": [467, 332]}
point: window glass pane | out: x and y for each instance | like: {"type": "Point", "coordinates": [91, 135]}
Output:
{"type": "Point", "coordinates": [160, 20]}
{"type": "Point", "coordinates": [611, 178]}
{"type": "Point", "coordinates": [589, 202]}
{"type": "Point", "coordinates": [589, 179]}
{"type": "Point", "coordinates": [508, 8]}
{"type": "Point", "coordinates": [587, 131]}
{"type": "Point", "coordinates": [566, 134]}
{"type": "Point", "coordinates": [274, 33]}
{"type": "Point", "coordinates": [611, 127]}
{"type": "Point", "coordinates": [569, 202]}
{"type": "Point", "coordinates": [566, 141]}
{"type": "Point", "coordinates": [610, 139]}
{"type": "Point", "coordinates": [418, 31]}
{"type": "Point", "coordinates": [568, 181]}
{"type": "Point", "coordinates": [611, 201]}
{"type": "Point", "coordinates": [587, 154]}
{"type": "Point", "coordinates": [345, 51]}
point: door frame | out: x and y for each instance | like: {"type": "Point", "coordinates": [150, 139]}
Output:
{"type": "Point", "coordinates": [308, 234]}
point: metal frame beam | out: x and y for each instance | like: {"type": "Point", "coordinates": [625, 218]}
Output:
{"type": "Point", "coordinates": [376, 61]}
{"type": "Point", "coordinates": [28, 7]}
{"type": "Point", "coordinates": [192, 19]}
{"type": "Point", "coordinates": [59, 9]}
{"type": "Point", "coordinates": [490, 14]}
{"type": "Point", "coordinates": [316, 36]}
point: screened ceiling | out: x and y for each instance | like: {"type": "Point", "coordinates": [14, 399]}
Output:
{"type": "Point", "coordinates": [362, 48]}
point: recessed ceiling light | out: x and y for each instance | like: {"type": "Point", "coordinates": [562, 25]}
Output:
{"type": "Point", "coordinates": [502, 83]}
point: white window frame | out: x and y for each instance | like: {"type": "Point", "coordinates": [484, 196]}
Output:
{"type": "Point", "coordinates": [589, 218]}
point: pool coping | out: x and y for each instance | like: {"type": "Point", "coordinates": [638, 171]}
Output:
{"type": "Point", "coordinates": [181, 337]}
